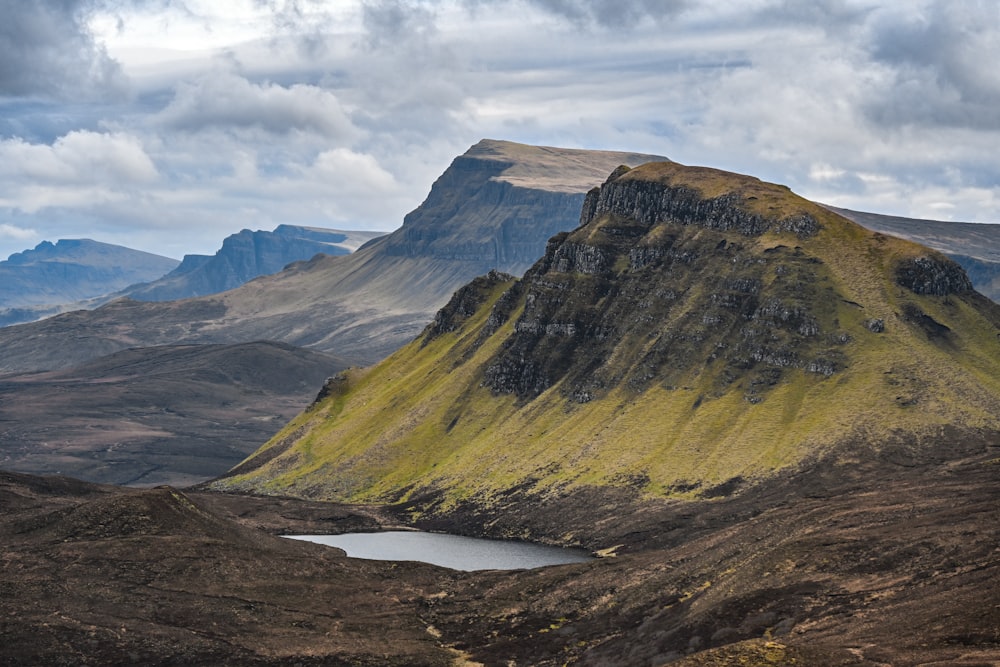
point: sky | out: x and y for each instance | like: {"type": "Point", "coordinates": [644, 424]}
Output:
{"type": "Point", "coordinates": [166, 125]}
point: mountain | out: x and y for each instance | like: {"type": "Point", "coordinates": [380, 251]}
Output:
{"type": "Point", "coordinates": [493, 208]}
{"type": "Point", "coordinates": [699, 333]}
{"type": "Point", "coordinates": [245, 256]}
{"type": "Point", "coordinates": [699, 326]}
{"type": "Point", "coordinates": [975, 246]}
{"type": "Point", "coordinates": [73, 270]}
{"type": "Point", "coordinates": [161, 415]}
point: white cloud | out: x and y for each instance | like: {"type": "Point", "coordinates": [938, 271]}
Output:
{"type": "Point", "coordinates": [81, 157]}
{"type": "Point", "coordinates": [225, 100]}
{"type": "Point", "coordinates": [14, 232]}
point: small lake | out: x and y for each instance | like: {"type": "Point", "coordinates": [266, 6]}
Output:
{"type": "Point", "coordinates": [451, 551]}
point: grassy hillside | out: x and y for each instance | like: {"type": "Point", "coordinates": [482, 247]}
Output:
{"type": "Point", "coordinates": [699, 332]}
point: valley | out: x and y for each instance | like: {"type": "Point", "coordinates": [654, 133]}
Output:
{"type": "Point", "coordinates": [160, 415]}
{"type": "Point", "coordinates": [821, 567]}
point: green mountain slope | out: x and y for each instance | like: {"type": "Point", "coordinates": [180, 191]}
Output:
{"type": "Point", "coordinates": [697, 333]}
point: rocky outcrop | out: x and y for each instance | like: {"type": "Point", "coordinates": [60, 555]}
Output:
{"type": "Point", "coordinates": [650, 203]}
{"type": "Point", "coordinates": [974, 246]}
{"type": "Point", "coordinates": [934, 275]}
{"type": "Point", "coordinates": [464, 303]}
{"type": "Point", "coordinates": [648, 253]}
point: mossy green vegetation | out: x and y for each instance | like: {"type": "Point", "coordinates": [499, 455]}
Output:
{"type": "Point", "coordinates": [671, 355]}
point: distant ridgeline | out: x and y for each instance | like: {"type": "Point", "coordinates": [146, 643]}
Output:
{"type": "Point", "coordinates": [74, 269]}
{"type": "Point", "coordinates": [248, 255]}
{"type": "Point", "coordinates": [699, 332]}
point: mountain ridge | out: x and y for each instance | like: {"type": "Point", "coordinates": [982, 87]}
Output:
{"type": "Point", "coordinates": [361, 306]}
{"type": "Point", "coordinates": [698, 332]}
{"type": "Point", "coordinates": [74, 269]}
{"type": "Point", "coordinates": [245, 256]}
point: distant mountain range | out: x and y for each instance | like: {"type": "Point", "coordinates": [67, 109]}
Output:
{"type": "Point", "coordinates": [74, 269]}
{"type": "Point", "coordinates": [83, 274]}
{"type": "Point", "coordinates": [245, 256]}
{"type": "Point", "coordinates": [495, 207]}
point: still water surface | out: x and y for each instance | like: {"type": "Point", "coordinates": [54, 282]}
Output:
{"type": "Point", "coordinates": [452, 551]}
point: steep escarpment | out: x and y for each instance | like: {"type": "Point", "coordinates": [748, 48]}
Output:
{"type": "Point", "coordinates": [498, 204]}
{"type": "Point", "coordinates": [698, 333]}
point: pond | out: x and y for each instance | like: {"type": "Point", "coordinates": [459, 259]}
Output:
{"type": "Point", "coordinates": [451, 551]}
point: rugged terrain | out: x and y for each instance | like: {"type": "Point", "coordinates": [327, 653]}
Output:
{"type": "Point", "coordinates": [173, 414]}
{"type": "Point", "coordinates": [886, 561]}
{"type": "Point", "coordinates": [698, 333]}
{"type": "Point", "coordinates": [494, 208]}
{"type": "Point", "coordinates": [35, 282]}
{"type": "Point", "coordinates": [777, 428]}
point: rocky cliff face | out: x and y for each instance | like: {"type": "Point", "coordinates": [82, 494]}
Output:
{"type": "Point", "coordinates": [248, 255]}
{"type": "Point", "coordinates": [657, 253]}
{"type": "Point", "coordinates": [483, 210]}
{"type": "Point", "coordinates": [697, 333]}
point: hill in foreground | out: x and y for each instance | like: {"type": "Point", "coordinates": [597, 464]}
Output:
{"type": "Point", "coordinates": [697, 334]}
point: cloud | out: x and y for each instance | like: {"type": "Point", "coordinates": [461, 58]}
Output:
{"type": "Point", "coordinates": [225, 100]}
{"type": "Point", "coordinates": [80, 157]}
{"type": "Point", "coordinates": [49, 52]}
{"type": "Point", "coordinates": [934, 69]}
{"type": "Point", "coordinates": [258, 112]}
{"type": "Point", "coordinates": [82, 170]}
{"type": "Point", "coordinates": [388, 23]}
{"type": "Point", "coordinates": [10, 231]}
{"type": "Point", "coordinates": [605, 13]}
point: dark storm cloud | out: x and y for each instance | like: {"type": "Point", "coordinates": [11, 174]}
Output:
{"type": "Point", "coordinates": [48, 52]}
{"type": "Point", "coordinates": [941, 66]}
